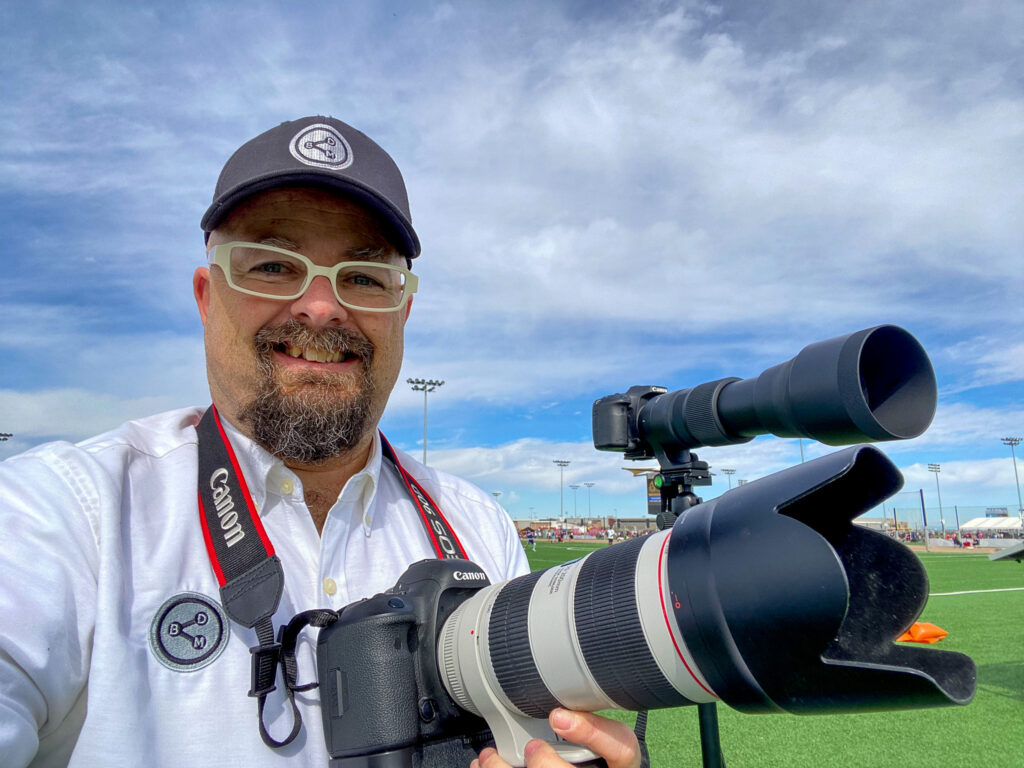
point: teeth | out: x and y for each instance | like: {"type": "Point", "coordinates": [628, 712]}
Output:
{"type": "Point", "coordinates": [313, 354]}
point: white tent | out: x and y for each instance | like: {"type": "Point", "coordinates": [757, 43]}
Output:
{"type": "Point", "coordinates": [992, 524]}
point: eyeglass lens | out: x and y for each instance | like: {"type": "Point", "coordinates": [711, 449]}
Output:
{"type": "Point", "coordinates": [272, 273]}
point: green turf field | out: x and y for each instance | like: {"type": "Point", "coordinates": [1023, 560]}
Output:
{"type": "Point", "coordinates": [989, 732]}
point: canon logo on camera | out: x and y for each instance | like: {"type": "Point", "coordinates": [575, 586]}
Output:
{"type": "Point", "coordinates": [470, 576]}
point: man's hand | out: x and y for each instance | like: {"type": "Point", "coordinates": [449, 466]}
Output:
{"type": "Point", "coordinates": [610, 739]}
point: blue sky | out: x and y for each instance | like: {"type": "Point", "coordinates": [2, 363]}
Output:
{"type": "Point", "coordinates": [607, 194]}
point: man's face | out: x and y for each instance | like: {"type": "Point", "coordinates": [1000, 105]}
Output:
{"type": "Point", "coordinates": [263, 355]}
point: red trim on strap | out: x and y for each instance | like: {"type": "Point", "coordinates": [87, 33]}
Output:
{"type": "Point", "coordinates": [423, 515]}
{"type": "Point", "coordinates": [245, 488]}
{"type": "Point", "coordinates": [410, 482]}
{"type": "Point", "coordinates": [437, 509]}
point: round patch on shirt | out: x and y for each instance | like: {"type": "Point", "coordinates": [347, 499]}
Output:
{"type": "Point", "coordinates": [188, 632]}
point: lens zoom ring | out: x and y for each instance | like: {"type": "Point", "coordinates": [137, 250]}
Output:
{"type": "Point", "coordinates": [700, 411]}
{"type": "Point", "coordinates": [610, 635]}
{"type": "Point", "coordinates": [509, 646]}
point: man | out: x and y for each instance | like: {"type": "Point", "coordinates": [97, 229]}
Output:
{"type": "Point", "coordinates": [121, 587]}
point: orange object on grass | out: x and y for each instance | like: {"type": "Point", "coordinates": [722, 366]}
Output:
{"type": "Point", "coordinates": [922, 632]}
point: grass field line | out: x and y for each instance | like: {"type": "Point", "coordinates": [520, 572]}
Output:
{"type": "Point", "coordinates": [977, 591]}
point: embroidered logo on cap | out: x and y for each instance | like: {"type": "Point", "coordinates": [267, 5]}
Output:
{"type": "Point", "coordinates": [321, 145]}
{"type": "Point", "coordinates": [188, 632]}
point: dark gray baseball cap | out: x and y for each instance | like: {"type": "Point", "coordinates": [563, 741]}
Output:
{"type": "Point", "coordinates": [318, 151]}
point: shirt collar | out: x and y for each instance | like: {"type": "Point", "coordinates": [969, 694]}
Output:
{"type": "Point", "coordinates": [370, 485]}
{"type": "Point", "coordinates": [256, 463]}
{"type": "Point", "coordinates": [263, 470]}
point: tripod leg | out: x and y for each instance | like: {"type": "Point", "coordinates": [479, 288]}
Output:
{"type": "Point", "coordinates": [710, 743]}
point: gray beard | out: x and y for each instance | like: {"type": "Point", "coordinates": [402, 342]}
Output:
{"type": "Point", "coordinates": [314, 424]}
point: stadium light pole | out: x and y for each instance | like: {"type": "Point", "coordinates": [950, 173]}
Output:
{"type": "Point", "coordinates": [729, 473]}
{"type": "Point", "coordinates": [562, 464]}
{"type": "Point", "coordinates": [1013, 442]}
{"type": "Point", "coordinates": [424, 386]}
{"type": "Point", "coordinates": [575, 487]}
{"type": "Point", "coordinates": [924, 521]}
{"type": "Point", "coordinates": [589, 486]}
{"type": "Point", "coordinates": [936, 468]}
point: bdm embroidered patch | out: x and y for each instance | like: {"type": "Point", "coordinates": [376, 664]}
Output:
{"type": "Point", "coordinates": [188, 632]}
{"type": "Point", "coordinates": [322, 146]}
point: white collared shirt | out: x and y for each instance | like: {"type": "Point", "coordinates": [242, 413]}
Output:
{"type": "Point", "coordinates": [101, 541]}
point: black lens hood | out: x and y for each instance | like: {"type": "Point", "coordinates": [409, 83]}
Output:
{"type": "Point", "coordinates": [787, 605]}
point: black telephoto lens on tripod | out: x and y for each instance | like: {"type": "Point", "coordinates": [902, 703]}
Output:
{"type": "Point", "coordinates": [875, 384]}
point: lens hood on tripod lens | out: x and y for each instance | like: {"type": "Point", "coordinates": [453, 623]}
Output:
{"type": "Point", "coordinates": [875, 384]}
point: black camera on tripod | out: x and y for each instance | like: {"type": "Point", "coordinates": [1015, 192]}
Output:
{"type": "Point", "coordinates": [768, 597]}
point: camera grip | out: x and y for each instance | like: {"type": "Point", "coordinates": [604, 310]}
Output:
{"type": "Point", "coordinates": [367, 668]}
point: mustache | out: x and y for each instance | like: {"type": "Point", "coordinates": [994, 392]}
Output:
{"type": "Point", "coordinates": [350, 343]}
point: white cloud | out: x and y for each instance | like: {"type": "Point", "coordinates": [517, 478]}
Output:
{"type": "Point", "coordinates": [72, 414]}
{"type": "Point", "coordinates": [987, 361]}
{"type": "Point", "coordinates": [611, 194]}
{"type": "Point", "coordinates": [527, 467]}
{"type": "Point", "coordinates": [963, 424]}
{"type": "Point", "coordinates": [989, 474]}
{"type": "Point", "coordinates": [81, 353]}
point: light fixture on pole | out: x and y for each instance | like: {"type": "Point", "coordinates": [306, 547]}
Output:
{"type": "Point", "coordinates": [936, 468]}
{"type": "Point", "coordinates": [424, 386]}
{"type": "Point", "coordinates": [589, 486]}
{"type": "Point", "coordinates": [729, 473]}
{"type": "Point", "coordinates": [575, 487]}
{"type": "Point", "coordinates": [1013, 442]}
{"type": "Point", "coordinates": [562, 464]}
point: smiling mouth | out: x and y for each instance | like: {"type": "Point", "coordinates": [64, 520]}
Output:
{"type": "Point", "coordinates": [315, 354]}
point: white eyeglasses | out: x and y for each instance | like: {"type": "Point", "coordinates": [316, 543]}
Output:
{"type": "Point", "coordinates": [274, 273]}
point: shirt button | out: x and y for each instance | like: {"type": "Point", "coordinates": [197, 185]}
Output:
{"type": "Point", "coordinates": [330, 586]}
{"type": "Point", "coordinates": [287, 486]}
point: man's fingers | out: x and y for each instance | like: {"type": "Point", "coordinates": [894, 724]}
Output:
{"type": "Point", "coordinates": [488, 759]}
{"type": "Point", "coordinates": [611, 739]}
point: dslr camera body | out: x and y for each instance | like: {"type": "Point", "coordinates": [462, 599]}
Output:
{"type": "Point", "coordinates": [381, 696]}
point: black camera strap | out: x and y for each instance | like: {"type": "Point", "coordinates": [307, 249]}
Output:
{"type": "Point", "coordinates": [250, 575]}
{"type": "Point", "coordinates": [248, 571]}
{"type": "Point", "coordinates": [443, 539]}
